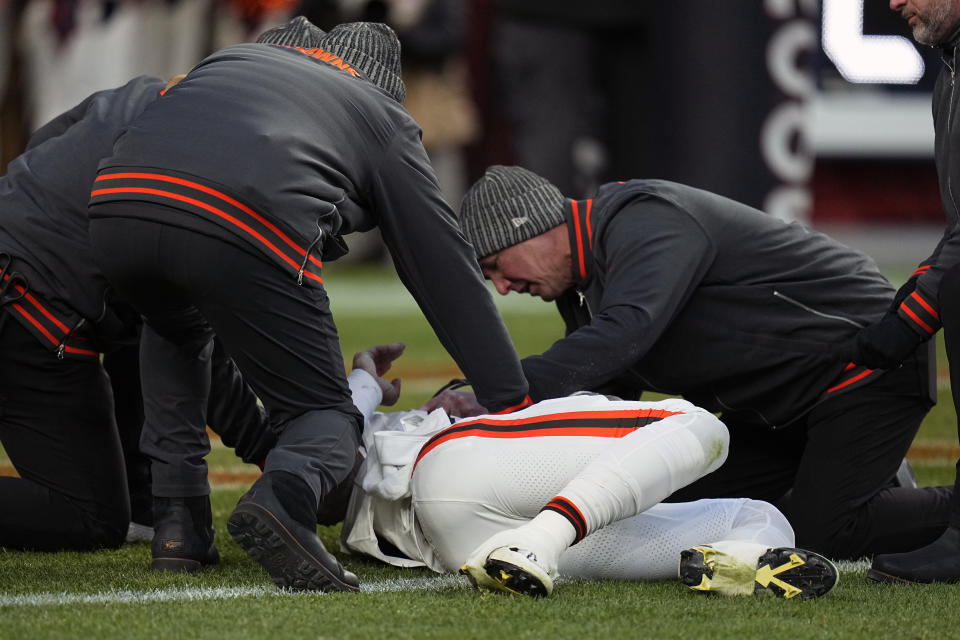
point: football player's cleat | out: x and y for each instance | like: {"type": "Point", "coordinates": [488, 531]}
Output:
{"type": "Point", "coordinates": [509, 569]}
{"type": "Point", "coordinates": [732, 568]}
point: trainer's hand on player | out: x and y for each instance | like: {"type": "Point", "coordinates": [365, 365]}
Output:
{"type": "Point", "coordinates": [460, 404]}
{"type": "Point", "coordinates": [377, 361]}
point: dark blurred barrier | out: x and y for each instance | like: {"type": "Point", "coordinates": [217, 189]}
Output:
{"type": "Point", "coordinates": [723, 104]}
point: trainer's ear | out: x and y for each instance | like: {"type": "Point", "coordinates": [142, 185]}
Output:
{"type": "Point", "coordinates": [172, 82]}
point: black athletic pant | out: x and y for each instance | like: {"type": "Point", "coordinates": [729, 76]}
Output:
{"type": "Point", "coordinates": [233, 413]}
{"type": "Point", "coordinates": [949, 299]}
{"type": "Point", "coordinates": [57, 425]}
{"type": "Point", "coordinates": [836, 463]}
{"type": "Point", "coordinates": [281, 335]}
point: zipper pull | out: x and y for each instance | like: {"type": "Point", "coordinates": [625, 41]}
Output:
{"type": "Point", "coordinates": [60, 350]}
{"type": "Point", "coordinates": [583, 298]}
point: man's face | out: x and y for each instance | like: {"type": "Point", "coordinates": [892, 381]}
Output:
{"type": "Point", "coordinates": [535, 266]}
{"type": "Point", "coordinates": [930, 20]}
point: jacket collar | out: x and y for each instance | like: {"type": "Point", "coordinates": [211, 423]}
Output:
{"type": "Point", "coordinates": [952, 40]}
{"type": "Point", "coordinates": [580, 229]}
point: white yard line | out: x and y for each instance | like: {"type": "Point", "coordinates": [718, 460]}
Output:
{"type": "Point", "coordinates": [433, 583]}
{"type": "Point", "coordinates": [176, 594]}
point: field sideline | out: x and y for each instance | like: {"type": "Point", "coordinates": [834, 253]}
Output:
{"type": "Point", "coordinates": [113, 594]}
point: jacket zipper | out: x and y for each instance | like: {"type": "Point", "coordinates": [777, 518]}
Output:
{"type": "Point", "coordinates": [952, 68]}
{"type": "Point", "coordinates": [584, 302]}
{"type": "Point", "coordinates": [306, 257]}
{"type": "Point", "coordinates": [815, 312]}
{"type": "Point", "coordinates": [62, 347]}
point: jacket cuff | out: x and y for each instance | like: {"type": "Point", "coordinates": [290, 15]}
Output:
{"type": "Point", "coordinates": [919, 314]}
{"type": "Point", "coordinates": [523, 404]}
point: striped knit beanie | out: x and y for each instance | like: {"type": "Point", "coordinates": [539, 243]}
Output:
{"type": "Point", "coordinates": [371, 48]}
{"type": "Point", "coordinates": [297, 32]}
{"type": "Point", "coordinates": [507, 206]}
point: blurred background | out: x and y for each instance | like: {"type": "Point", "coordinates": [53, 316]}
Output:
{"type": "Point", "coordinates": [815, 110]}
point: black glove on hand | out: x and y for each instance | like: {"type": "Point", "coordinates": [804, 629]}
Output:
{"type": "Point", "coordinates": [905, 290]}
{"type": "Point", "coordinates": [886, 344]}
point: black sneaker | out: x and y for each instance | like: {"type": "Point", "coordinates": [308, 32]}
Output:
{"type": "Point", "coordinates": [288, 549]}
{"type": "Point", "coordinates": [183, 534]}
{"type": "Point", "coordinates": [733, 569]}
{"type": "Point", "coordinates": [939, 561]}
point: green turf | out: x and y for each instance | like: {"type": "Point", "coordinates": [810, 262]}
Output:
{"type": "Point", "coordinates": [856, 609]}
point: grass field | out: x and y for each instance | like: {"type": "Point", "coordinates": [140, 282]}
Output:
{"type": "Point", "coordinates": [114, 594]}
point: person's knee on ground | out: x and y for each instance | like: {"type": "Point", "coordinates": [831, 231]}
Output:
{"type": "Point", "coordinates": [318, 448]}
{"type": "Point", "coordinates": [105, 525]}
{"type": "Point", "coordinates": [68, 525]}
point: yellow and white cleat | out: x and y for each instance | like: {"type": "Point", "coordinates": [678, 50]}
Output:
{"type": "Point", "coordinates": [509, 569]}
{"type": "Point", "coordinates": [734, 568]}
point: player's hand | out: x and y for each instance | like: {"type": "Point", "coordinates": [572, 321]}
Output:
{"type": "Point", "coordinates": [459, 404]}
{"type": "Point", "coordinates": [377, 361]}
{"type": "Point", "coordinates": [885, 344]}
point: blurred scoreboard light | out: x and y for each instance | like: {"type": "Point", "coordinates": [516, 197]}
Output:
{"type": "Point", "coordinates": [870, 126]}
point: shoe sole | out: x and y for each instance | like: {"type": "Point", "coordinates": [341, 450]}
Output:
{"type": "Point", "coordinates": [290, 565]}
{"type": "Point", "coordinates": [500, 574]}
{"type": "Point", "coordinates": [176, 565]}
{"type": "Point", "coordinates": [784, 572]}
{"type": "Point", "coordinates": [888, 578]}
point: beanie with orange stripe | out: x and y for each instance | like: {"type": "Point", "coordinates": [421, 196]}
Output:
{"type": "Point", "coordinates": [507, 206]}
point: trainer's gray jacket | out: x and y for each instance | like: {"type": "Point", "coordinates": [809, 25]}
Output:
{"type": "Point", "coordinates": [286, 151]}
{"type": "Point", "coordinates": [43, 217]}
{"type": "Point", "coordinates": [921, 309]}
{"type": "Point", "coordinates": [685, 292]}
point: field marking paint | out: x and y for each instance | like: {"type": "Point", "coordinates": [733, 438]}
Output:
{"type": "Point", "coordinates": [432, 583]}
{"type": "Point", "coordinates": [218, 593]}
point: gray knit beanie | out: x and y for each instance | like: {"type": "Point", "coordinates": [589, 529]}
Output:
{"type": "Point", "coordinates": [507, 206]}
{"type": "Point", "coordinates": [371, 48]}
{"type": "Point", "coordinates": [297, 32]}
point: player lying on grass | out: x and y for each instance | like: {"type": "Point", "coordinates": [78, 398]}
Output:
{"type": "Point", "coordinates": [567, 487]}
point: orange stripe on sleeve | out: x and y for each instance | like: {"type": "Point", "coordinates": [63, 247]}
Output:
{"type": "Point", "coordinates": [916, 318]}
{"type": "Point", "coordinates": [923, 303]}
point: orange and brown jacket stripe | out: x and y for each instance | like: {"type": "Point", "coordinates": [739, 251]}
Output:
{"type": "Point", "coordinates": [51, 328]}
{"type": "Point", "coordinates": [852, 376]}
{"type": "Point", "coordinates": [210, 203]}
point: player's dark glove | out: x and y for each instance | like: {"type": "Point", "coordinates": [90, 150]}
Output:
{"type": "Point", "coordinates": [903, 292]}
{"type": "Point", "coordinates": [886, 344]}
